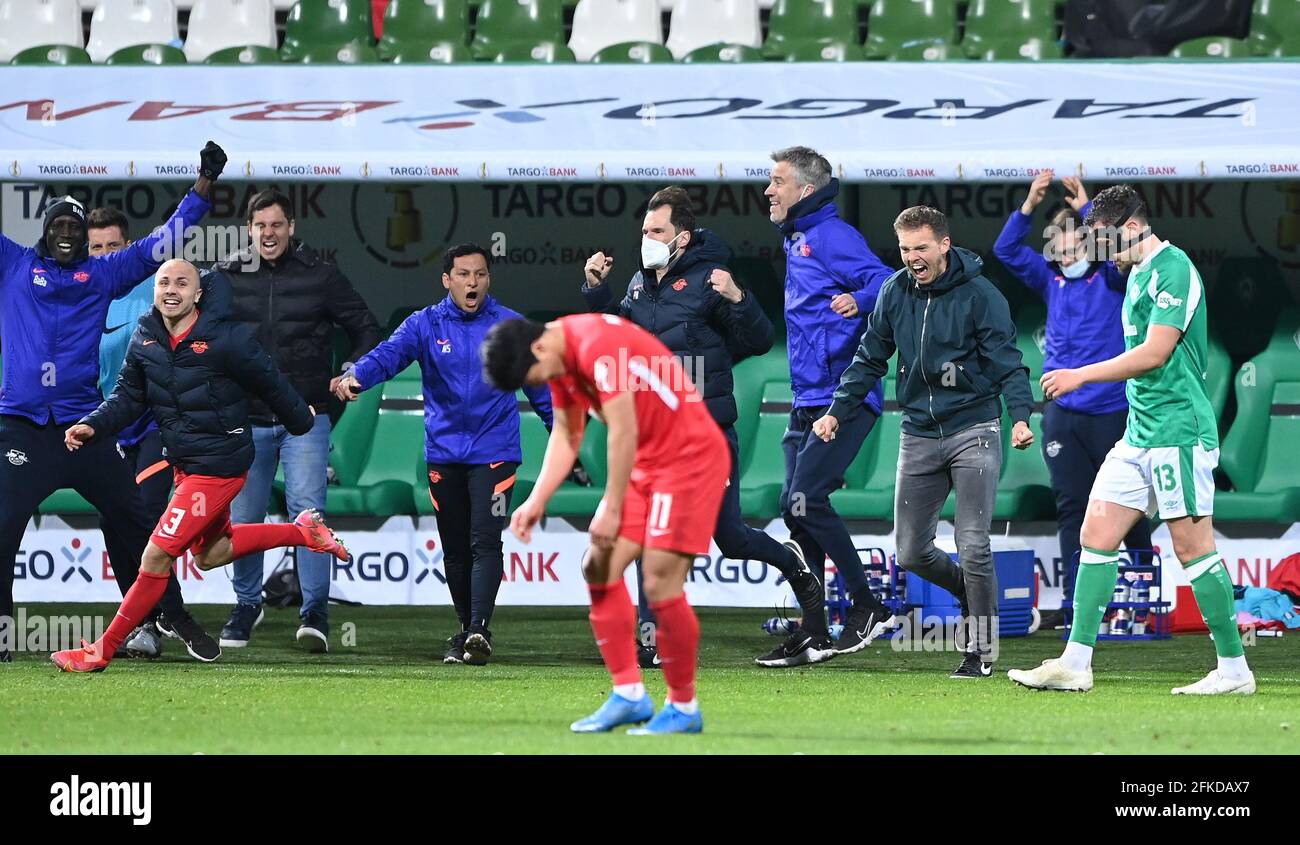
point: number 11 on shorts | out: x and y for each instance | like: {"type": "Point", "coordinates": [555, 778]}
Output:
{"type": "Point", "coordinates": [661, 506]}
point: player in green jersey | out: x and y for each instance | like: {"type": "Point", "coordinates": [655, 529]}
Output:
{"type": "Point", "coordinates": [1166, 460]}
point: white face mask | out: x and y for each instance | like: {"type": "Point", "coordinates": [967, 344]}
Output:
{"type": "Point", "coordinates": [1075, 270]}
{"type": "Point", "coordinates": [656, 254]}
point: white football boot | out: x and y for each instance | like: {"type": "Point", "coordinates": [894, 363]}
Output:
{"type": "Point", "coordinates": [1053, 674]}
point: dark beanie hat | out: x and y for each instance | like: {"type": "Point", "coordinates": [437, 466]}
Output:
{"type": "Point", "coordinates": [64, 207]}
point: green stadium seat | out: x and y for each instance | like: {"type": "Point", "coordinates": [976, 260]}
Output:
{"type": "Point", "coordinates": [1258, 455]}
{"type": "Point", "coordinates": [810, 51]}
{"type": "Point", "coordinates": [51, 54]}
{"type": "Point", "coordinates": [572, 500]}
{"type": "Point", "coordinates": [340, 54]}
{"type": "Point", "coordinates": [871, 479]}
{"type": "Point", "coordinates": [893, 24]}
{"type": "Point", "coordinates": [415, 24]}
{"type": "Point", "coordinates": [148, 54]}
{"type": "Point", "coordinates": [1031, 49]}
{"type": "Point", "coordinates": [633, 53]}
{"type": "Point", "coordinates": [383, 485]}
{"type": "Point", "coordinates": [501, 22]}
{"type": "Point", "coordinates": [1218, 378]}
{"type": "Point", "coordinates": [533, 438]}
{"type": "Point", "coordinates": [65, 501]}
{"type": "Point", "coordinates": [1212, 48]}
{"type": "Point", "coordinates": [545, 52]}
{"type": "Point", "coordinates": [1031, 340]}
{"type": "Point", "coordinates": [351, 440]}
{"type": "Point", "coordinates": [1275, 28]}
{"type": "Point", "coordinates": [438, 53]}
{"type": "Point", "coordinates": [749, 377]}
{"type": "Point", "coordinates": [1025, 485]}
{"type": "Point", "coordinates": [762, 475]}
{"type": "Point", "coordinates": [794, 23]}
{"type": "Point", "coordinates": [998, 29]}
{"type": "Point", "coordinates": [926, 51]}
{"type": "Point", "coordinates": [253, 54]}
{"type": "Point", "coordinates": [715, 53]}
{"type": "Point", "coordinates": [325, 23]}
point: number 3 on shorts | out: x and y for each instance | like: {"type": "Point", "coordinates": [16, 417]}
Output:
{"type": "Point", "coordinates": [174, 523]}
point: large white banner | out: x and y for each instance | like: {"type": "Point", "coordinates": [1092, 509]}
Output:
{"type": "Point", "coordinates": [402, 564]}
{"type": "Point", "coordinates": [877, 122]}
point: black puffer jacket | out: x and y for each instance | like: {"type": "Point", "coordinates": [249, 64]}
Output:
{"type": "Point", "coordinates": [200, 393]}
{"type": "Point", "coordinates": [292, 306]}
{"type": "Point", "coordinates": [693, 320]}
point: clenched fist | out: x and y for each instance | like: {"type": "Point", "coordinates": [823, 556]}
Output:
{"type": "Point", "coordinates": [597, 269]}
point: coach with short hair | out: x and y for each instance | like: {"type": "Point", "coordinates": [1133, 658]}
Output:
{"type": "Point", "coordinates": [957, 359]}
{"type": "Point", "coordinates": [293, 299]}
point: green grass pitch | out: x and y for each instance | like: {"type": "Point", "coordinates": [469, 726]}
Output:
{"type": "Point", "coordinates": [390, 693]}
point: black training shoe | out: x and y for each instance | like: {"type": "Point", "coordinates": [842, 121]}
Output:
{"type": "Point", "coordinates": [807, 587]}
{"type": "Point", "coordinates": [647, 657]}
{"type": "Point", "coordinates": [455, 648]}
{"type": "Point", "coordinates": [239, 628]}
{"type": "Point", "coordinates": [314, 633]}
{"type": "Point", "coordinates": [863, 624]}
{"type": "Point", "coordinates": [973, 666]}
{"type": "Point", "coordinates": [188, 631]}
{"type": "Point", "coordinates": [799, 648]}
{"type": "Point", "coordinates": [478, 645]}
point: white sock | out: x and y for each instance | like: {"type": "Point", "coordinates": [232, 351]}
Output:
{"type": "Point", "coordinates": [1234, 668]}
{"type": "Point", "coordinates": [1077, 656]}
{"type": "Point", "coordinates": [687, 707]}
{"type": "Point", "coordinates": [632, 692]}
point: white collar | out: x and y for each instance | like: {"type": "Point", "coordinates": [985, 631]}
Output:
{"type": "Point", "coordinates": [1150, 255]}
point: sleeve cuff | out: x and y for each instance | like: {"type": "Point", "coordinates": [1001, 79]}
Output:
{"type": "Point", "coordinates": [841, 410]}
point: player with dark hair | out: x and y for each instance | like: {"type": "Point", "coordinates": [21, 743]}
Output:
{"type": "Point", "coordinates": [471, 441]}
{"type": "Point", "coordinates": [194, 369]}
{"type": "Point", "coordinates": [668, 468]}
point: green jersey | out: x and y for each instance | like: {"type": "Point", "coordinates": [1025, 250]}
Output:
{"type": "Point", "coordinates": [1170, 405]}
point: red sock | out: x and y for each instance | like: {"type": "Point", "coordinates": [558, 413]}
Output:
{"type": "Point", "coordinates": [678, 638]}
{"type": "Point", "coordinates": [260, 536]}
{"type": "Point", "coordinates": [614, 623]}
{"type": "Point", "coordinates": [136, 604]}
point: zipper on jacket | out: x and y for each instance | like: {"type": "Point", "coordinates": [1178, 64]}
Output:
{"type": "Point", "coordinates": [925, 316]}
{"type": "Point", "coordinates": [270, 323]}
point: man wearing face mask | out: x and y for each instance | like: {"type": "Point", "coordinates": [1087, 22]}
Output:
{"type": "Point", "coordinates": [1084, 300]}
{"type": "Point", "coordinates": [684, 295]}
{"type": "Point", "coordinates": [53, 301]}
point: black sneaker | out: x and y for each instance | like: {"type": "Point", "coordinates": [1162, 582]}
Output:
{"type": "Point", "coordinates": [973, 666]}
{"type": "Point", "coordinates": [188, 631]}
{"type": "Point", "coordinates": [144, 642]}
{"type": "Point", "coordinates": [799, 648]}
{"type": "Point", "coordinates": [455, 648]}
{"type": "Point", "coordinates": [478, 645]}
{"type": "Point", "coordinates": [647, 657]}
{"type": "Point", "coordinates": [314, 633]}
{"type": "Point", "coordinates": [807, 587]}
{"type": "Point", "coordinates": [863, 624]}
{"type": "Point", "coordinates": [239, 628]}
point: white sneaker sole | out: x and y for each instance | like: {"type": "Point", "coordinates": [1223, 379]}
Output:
{"type": "Point", "coordinates": [1022, 677]}
{"type": "Point", "coordinates": [807, 657]}
{"type": "Point", "coordinates": [478, 651]}
{"type": "Point", "coordinates": [876, 630]}
{"type": "Point", "coordinates": [1246, 687]}
{"type": "Point", "coordinates": [225, 643]}
{"type": "Point", "coordinates": [314, 641]}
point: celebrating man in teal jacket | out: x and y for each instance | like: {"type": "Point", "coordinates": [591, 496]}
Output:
{"type": "Point", "coordinates": [957, 357]}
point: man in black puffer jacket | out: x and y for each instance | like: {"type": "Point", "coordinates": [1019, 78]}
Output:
{"type": "Point", "coordinates": [194, 369]}
{"type": "Point", "coordinates": [684, 295]}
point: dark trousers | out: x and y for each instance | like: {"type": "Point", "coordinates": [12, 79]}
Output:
{"type": "Point", "coordinates": [34, 463]}
{"type": "Point", "coordinates": [472, 503]}
{"type": "Point", "coordinates": [1074, 447]}
{"type": "Point", "coordinates": [153, 478]}
{"type": "Point", "coordinates": [736, 539]}
{"type": "Point", "coordinates": [813, 470]}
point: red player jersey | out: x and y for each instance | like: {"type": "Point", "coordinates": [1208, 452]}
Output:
{"type": "Point", "coordinates": [606, 355]}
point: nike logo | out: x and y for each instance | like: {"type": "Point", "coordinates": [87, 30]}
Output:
{"type": "Point", "coordinates": [236, 431]}
{"type": "Point", "coordinates": [147, 342]}
{"type": "Point", "coordinates": [495, 465]}
{"type": "Point", "coordinates": [658, 532]}
{"type": "Point", "coordinates": [108, 330]}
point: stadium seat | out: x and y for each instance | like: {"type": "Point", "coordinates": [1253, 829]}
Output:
{"type": "Point", "coordinates": [893, 24]}
{"type": "Point", "coordinates": [797, 23]}
{"type": "Point", "coordinates": [703, 23]}
{"type": "Point", "coordinates": [340, 54]}
{"type": "Point", "coordinates": [117, 24]}
{"type": "Point", "coordinates": [716, 53]}
{"type": "Point", "coordinates": [1031, 340]}
{"type": "Point", "coordinates": [501, 22]}
{"type": "Point", "coordinates": [253, 54]}
{"type": "Point", "coordinates": [1032, 49]}
{"type": "Point", "coordinates": [413, 24]}
{"type": "Point", "coordinates": [633, 52]}
{"type": "Point", "coordinates": [51, 54]}
{"type": "Point", "coordinates": [572, 500]}
{"type": "Point", "coordinates": [350, 443]}
{"type": "Point", "coordinates": [1258, 455]}
{"type": "Point", "coordinates": [762, 464]}
{"type": "Point", "coordinates": [600, 24]}
{"type": "Point", "coordinates": [440, 52]}
{"type": "Point", "coordinates": [220, 24]}
{"type": "Point", "coordinates": [1218, 378]}
{"type": "Point", "coordinates": [65, 502]}
{"type": "Point", "coordinates": [810, 51]}
{"type": "Point", "coordinates": [325, 23]}
{"type": "Point", "coordinates": [1212, 48]}
{"type": "Point", "coordinates": [1025, 485]}
{"type": "Point", "coordinates": [1001, 28]}
{"type": "Point", "coordinates": [37, 23]}
{"type": "Point", "coordinates": [533, 437]}
{"type": "Point", "coordinates": [383, 485]}
{"type": "Point", "coordinates": [148, 54]}
{"type": "Point", "coordinates": [926, 51]}
{"type": "Point", "coordinates": [870, 481]}
{"type": "Point", "coordinates": [1275, 28]}
{"type": "Point", "coordinates": [546, 52]}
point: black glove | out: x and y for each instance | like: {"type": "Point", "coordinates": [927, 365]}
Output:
{"type": "Point", "coordinates": [578, 475]}
{"type": "Point", "coordinates": [212, 160]}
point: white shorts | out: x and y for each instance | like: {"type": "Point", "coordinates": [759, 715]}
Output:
{"type": "Point", "coordinates": [1173, 481]}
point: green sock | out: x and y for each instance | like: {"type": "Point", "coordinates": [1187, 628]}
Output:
{"type": "Point", "coordinates": [1094, 587]}
{"type": "Point", "coordinates": [1213, 590]}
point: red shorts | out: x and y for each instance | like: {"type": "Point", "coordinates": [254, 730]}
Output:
{"type": "Point", "coordinates": [198, 514]}
{"type": "Point", "coordinates": [676, 508]}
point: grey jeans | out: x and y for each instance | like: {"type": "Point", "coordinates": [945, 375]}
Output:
{"type": "Point", "coordinates": [928, 468]}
